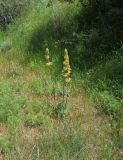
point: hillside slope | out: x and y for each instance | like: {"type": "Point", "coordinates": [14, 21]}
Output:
{"type": "Point", "coordinates": [34, 122]}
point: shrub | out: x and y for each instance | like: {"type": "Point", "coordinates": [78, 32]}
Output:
{"type": "Point", "coordinates": [9, 10]}
{"type": "Point", "coordinates": [100, 28]}
{"type": "Point", "coordinates": [6, 45]}
{"type": "Point", "coordinates": [57, 23]}
{"type": "Point", "coordinates": [60, 110]}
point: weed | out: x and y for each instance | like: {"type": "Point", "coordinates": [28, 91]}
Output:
{"type": "Point", "coordinates": [61, 110]}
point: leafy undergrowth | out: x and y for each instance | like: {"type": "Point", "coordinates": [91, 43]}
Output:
{"type": "Point", "coordinates": [31, 127]}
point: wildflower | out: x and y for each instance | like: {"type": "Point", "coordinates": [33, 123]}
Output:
{"type": "Point", "coordinates": [67, 80]}
{"type": "Point", "coordinates": [66, 69]}
{"type": "Point", "coordinates": [48, 59]}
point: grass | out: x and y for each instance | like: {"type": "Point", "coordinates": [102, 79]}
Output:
{"type": "Point", "coordinates": [34, 124]}
{"type": "Point", "coordinates": [38, 132]}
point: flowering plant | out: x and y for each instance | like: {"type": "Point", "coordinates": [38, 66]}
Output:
{"type": "Point", "coordinates": [47, 57]}
{"type": "Point", "coordinates": [66, 73]}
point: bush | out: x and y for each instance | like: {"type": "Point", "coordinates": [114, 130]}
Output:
{"type": "Point", "coordinates": [100, 27]}
{"type": "Point", "coordinates": [37, 120]}
{"type": "Point", "coordinates": [36, 87]}
{"type": "Point", "coordinates": [56, 26]}
{"type": "Point", "coordinates": [10, 10]}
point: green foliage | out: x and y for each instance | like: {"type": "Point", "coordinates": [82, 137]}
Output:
{"type": "Point", "coordinates": [46, 86]}
{"type": "Point", "coordinates": [37, 114]}
{"type": "Point", "coordinates": [13, 72]}
{"type": "Point", "coordinates": [56, 25]}
{"type": "Point", "coordinates": [9, 10]}
{"type": "Point", "coordinates": [33, 65]}
{"type": "Point", "coordinates": [10, 102]}
{"type": "Point", "coordinates": [11, 105]}
{"type": "Point", "coordinates": [5, 145]}
{"type": "Point", "coordinates": [36, 87]}
{"type": "Point", "coordinates": [91, 35]}
{"type": "Point", "coordinates": [106, 150]}
{"type": "Point", "coordinates": [99, 32]}
{"type": "Point", "coordinates": [64, 144]}
{"type": "Point", "coordinates": [109, 103]}
{"type": "Point", "coordinates": [60, 110]}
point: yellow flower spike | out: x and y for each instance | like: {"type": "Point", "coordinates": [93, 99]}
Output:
{"type": "Point", "coordinates": [67, 80]}
{"type": "Point", "coordinates": [66, 67]}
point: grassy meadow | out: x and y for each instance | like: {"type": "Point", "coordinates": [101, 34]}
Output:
{"type": "Point", "coordinates": [57, 103]}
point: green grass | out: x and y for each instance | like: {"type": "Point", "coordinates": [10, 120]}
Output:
{"type": "Point", "coordinates": [34, 123]}
{"type": "Point", "coordinates": [30, 117]}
